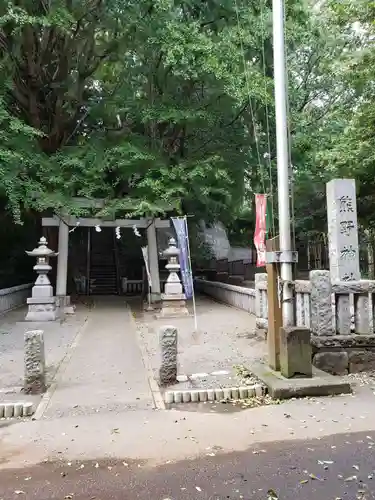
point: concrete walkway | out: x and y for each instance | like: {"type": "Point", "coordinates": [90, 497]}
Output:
{"type": "Point", "coordinates": [104, 371]}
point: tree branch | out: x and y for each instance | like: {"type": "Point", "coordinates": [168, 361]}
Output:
{"type": "Point", "coordinates": [241, 111]}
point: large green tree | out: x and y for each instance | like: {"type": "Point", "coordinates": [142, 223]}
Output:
{"type": "Point", "coordinates": [142, 103]}
{"type": "Point", "coordinates": [333, 102]}
{"type": "Point", "coordinates": [168, 105]}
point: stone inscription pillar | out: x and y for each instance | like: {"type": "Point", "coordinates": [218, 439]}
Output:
{"type": "Point", "coordinates": [343, 230]}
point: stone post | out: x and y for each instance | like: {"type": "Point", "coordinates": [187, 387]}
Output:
{"type": "Point", "coordinates": [168, 345]}
{"type": "Point", "coordinates": [343, 230]}
{"type": "Point", "coordinates": [35, 368]}
{"type": "Point", "coordinates": [321, 303]}
{"type": "Point", "coordinates": [173, 298]}
{"type": "Point", "coordinates": [42, 303]}
{"type": "Point", "coordinates": [295, 351]}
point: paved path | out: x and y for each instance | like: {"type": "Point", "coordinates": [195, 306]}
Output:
{"type": "Point", "coordinates": [339, 467]}
{"type": "Point", "coordinates": [105, 372]}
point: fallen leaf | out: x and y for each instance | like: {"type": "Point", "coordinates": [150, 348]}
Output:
{"type": "Point", "coordinates": [198, 488]}
{"type": "Point", "coordinates": [272, 495]}
{"type": "Point", "coordinates": [125, 464]}
{"type": "Point", "coordinates": [304, 481]}
{"type": "Point", "coordinates": [115, 431]}
{"type": "Point", "coordinates": [19, 492]}
{"type": "Point", "coordinates": [68, 497]}
{"type": "Point", "coordinates": [314, 477]}
{"type": "Point", "coordinates": [96, 465]}
{"type": "Point", "coordinates": [356, 467]}
{"type": "Point", "coordinates": [350, 478]}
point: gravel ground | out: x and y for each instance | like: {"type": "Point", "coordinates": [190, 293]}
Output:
{"type": "Point", "coordinates": [225, 338]}
{"type": "Point", "coordinates": [210, 382]}
{"type": "Point", "coordinates": [363, 379]}
{"type": "Point", "coordinates": [57, 337]}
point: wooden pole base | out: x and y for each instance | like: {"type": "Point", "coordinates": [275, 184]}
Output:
{"type": "Point", "coordinates": [274, 309]}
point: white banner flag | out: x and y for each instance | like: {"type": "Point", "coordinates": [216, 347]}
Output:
{"type": "Point", "coordinates": [145, 258]}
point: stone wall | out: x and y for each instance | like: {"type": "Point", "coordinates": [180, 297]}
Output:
{"type": "Point", "coordinates": [237, 296]}
{"type": "Point", "coordinates": [339, 315]}
{"type": "Point", "coordinates": [16, 296]}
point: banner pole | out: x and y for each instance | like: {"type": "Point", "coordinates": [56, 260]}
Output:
{"type": "Point", "coordinates": [191, 275]}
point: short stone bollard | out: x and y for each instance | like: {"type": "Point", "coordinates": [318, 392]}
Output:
{"type": "Point", "coordinates": [168, 345]}
{"type": "Point", "coordinates": [295, 352]}
{"type": "Point", "coordinates": [35, 366]}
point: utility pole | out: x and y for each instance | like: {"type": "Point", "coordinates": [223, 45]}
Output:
{"type": "Point", "coordinates": [286, 259]}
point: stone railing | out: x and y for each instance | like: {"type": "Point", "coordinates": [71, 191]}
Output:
{"type": "Point", "coordinates": [354, 307]}
{"type": "Point", "coordinates": [340, 308]}
{"type": "Point", "coordinates": [302, 294]}
{"type": "Point", "coordinates": [237, 296]}
{"type": "Point", "coordinates": [11, 298]}
{"type": "Point", "coordinates": [261, 301]}
{"type": "Point", "coordinates": [339, 315]}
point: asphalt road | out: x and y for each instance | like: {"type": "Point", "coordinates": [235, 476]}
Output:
{"type": "Point", "coordinates": [339, 467]}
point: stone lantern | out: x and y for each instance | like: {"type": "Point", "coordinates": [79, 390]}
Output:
{"type": "Point", "coordinates": [173, 298]}
{"type": "Point", "coordinates": [42, 303]}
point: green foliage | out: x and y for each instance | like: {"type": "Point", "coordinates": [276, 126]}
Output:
{"type": "Point", "coordinates": [166, 106]}
{"type": "Point", "coordinates": [142, 104]}
{"type": "Point", "coordinates": [332, 109]}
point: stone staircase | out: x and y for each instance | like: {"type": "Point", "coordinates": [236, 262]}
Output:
{"type": "Point", "coordinates": [103, 268]}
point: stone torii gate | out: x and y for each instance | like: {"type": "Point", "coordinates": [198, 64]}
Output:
{"type": "Point", "coordinates": [64, 223]}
